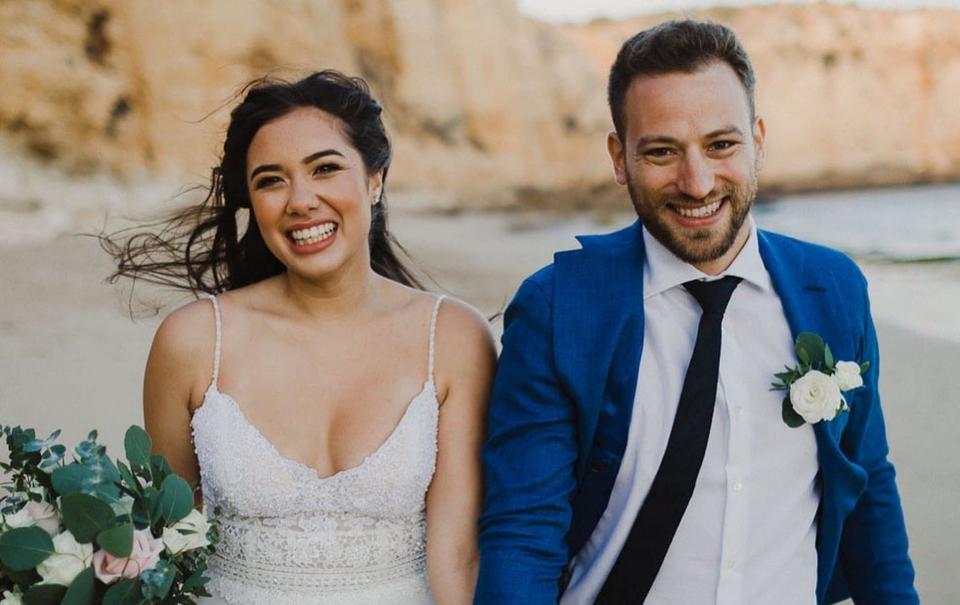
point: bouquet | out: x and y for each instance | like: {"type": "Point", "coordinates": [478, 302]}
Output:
{"type": "Point", "coordinates": [94, 531]}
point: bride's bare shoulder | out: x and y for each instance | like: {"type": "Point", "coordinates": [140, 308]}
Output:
{"type": "Point", "coordinates": [465, 347]}
{"type": "Point", "coordinates": [184, 344]}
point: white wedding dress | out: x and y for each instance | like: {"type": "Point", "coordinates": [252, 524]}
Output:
{"type": "Point", "coordinates": [289, 536]}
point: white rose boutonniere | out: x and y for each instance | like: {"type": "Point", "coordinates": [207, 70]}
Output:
{"type": "Point", "coordinates": [815, 387]}
{"type": "Point", "coordinates": [816, 396]}
{"type": "Point", "coordinates": [848, 375]}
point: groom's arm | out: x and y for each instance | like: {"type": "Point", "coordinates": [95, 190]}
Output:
{"type": "Point", "coordinates": [529, 461]}
{"type": "Point", "coordinates": [873, 547]}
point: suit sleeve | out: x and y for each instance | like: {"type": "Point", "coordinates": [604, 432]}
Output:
{"type": "Point", "coordinates": [529, 463]}
{"type": "Point", "coordinates": [873, 546]}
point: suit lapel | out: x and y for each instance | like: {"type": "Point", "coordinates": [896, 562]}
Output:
{"type": "Point", "coordinates": [598, 327]}
{"type": "Point", "coordinates": [810, 299]}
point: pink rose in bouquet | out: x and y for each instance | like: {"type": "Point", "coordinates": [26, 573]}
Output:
{"type": "Point", "coordinates": [144, 556]}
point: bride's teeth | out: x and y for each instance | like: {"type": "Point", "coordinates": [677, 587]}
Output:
{"type": "Point", "coordinates": [312, 235]}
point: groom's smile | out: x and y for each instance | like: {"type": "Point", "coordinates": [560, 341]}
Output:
{"type": "Point", "coordinates": [689, 158]}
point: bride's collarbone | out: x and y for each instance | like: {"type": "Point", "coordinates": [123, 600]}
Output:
{"type": "Point", "coordinates": [328, 410]}
{"type": "Point", "coordinates": [327, 434]}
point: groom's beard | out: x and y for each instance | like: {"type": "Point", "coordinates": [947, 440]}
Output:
{"type": "Point", "coordinates": [701, 245]}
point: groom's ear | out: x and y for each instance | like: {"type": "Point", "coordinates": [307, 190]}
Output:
{"type": "Point", "coordinates": [615, 149]}
{"type": "Point", "coordinates": [759, 142]}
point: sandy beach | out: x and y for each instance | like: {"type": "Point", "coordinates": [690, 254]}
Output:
{"type": "Point", "coordinates": [71, 358]}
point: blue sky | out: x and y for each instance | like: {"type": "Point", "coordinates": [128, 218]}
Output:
{"type": "Point", "coordinates": [579, 10]}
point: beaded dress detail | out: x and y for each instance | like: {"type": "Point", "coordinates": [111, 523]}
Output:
{"type": "Point", "coordinates": [288, 535]}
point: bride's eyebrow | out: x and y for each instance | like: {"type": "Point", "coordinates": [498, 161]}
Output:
{"type": "Point", "coordinates": [316, 156]}
{"type": "Point", "coordinates": [310, 158]}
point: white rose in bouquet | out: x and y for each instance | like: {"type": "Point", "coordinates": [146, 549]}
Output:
{"type": "Point", "coordinates": [815, 396]}
{"type": "Point", "coordinates": [848, 375]}
{"type": "Point", "coordinates": [123, 506]}
{"type": "Point", "coordinates": [70, 559]}
{"type": "Point", "coordinates": [21, 518]}
{"type": "Point", "coordinates": [45, 516]}
{"type": "Point", "coordinates": [10, 598]}
{"type": "Point", "coordinates": [187, 534]}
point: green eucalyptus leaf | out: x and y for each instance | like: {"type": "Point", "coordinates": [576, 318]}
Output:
{"type": "Point", "coordinates": [196, 580]}
{"type": "Point", "coordinates": [20, 578]}
{"type": "Point", "coordinates": [86, 516]}
{"type": "Point", "coordinates": [137, 445]}
{"type": "Point", "coordinates": [156, 583]}
{"type": "Point", "coordinates": [44, 594]}
{"type": "Point", "coordinates": [176, 499]}
{"type": "Point", "coordinates": [828, 359]}
{"type": "Point", "coordinates": [23, 548]}
{"type": "Point", "coordinates": [129, 479]}
{"type": "Point", "coordinates": [96, 477]}
{"type": "Point", "coordinates": [141, 513]}
{"type": "Point", "coordinates": [785, 377]}
{"type": "Point", "coordinates": [72, 478]}
{"type": "Point", "coordinates": [864, 367]}
{"type": "Point", "coordinates": [159, 468]}
{"type": "Point", "coordinates": [124, 592]}
{"type": "Point", "coordinates": [813, 346]}
{"type": "Point", "coordinates": [105, 471]}
{"type": "Point", "coordinates": [118, 541]}
{"type": "Point", "coordinates": [81, 590]}
{"type": "Point", "coordinates": [790, 416]}
{"type": "Point", "coordinates": [34, 445]}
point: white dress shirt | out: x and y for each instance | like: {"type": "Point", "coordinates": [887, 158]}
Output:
{"type": "Point", "coordinates": [749, 532]}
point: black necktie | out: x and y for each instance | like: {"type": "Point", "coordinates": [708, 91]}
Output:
{"type": "Point", "coordinates": [656, 523]}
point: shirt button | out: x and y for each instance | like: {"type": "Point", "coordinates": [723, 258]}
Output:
{"type": "Point", "coordinates": [737, 486]}
{"type": "Point", "coordinates": [731, 563]}
{"type": "Point", "coordinates": [738, 410]}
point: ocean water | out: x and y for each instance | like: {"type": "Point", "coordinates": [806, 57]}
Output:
{"type": "Point", "coordinates": [898, 224]}
{"type": "Point", "coordinates": [905, 239]}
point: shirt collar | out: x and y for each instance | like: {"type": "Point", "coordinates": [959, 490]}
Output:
{"type": "Point", "coordinates": [662, 269]}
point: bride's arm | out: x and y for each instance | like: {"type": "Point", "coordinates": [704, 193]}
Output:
{"type": "Point", "coordinates": [465, 364]}
{"type": "Point", "coordinates": [170, 386]}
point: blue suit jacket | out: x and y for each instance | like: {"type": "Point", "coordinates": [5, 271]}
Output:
{"type": "Point", "coordinates": [561, 410]}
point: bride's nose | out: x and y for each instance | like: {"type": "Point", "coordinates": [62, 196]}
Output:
{"type": "Point", "coordinates": [303, 197]}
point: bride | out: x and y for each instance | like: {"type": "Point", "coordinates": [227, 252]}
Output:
{"type": "Point", "coordinates": [330, 410]}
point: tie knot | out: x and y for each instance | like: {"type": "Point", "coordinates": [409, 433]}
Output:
{"type": "Point", "coordinates": [713, 296]}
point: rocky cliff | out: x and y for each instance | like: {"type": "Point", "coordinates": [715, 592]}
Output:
{"type": "Point", "coordinates": [482, 102]}
{"type": "Point", "coordinates": [851, 97]}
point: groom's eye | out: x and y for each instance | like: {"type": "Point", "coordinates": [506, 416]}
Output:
{"type": "Point", "coordinates": [723, 145]}
{"type": "Point", "coordinates": [658, 152]}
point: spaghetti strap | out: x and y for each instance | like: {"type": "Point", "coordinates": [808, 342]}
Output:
{"type": "Point", "coordinates": [215, 379]}
{"type": "Point", "coordinates": [433, 333]}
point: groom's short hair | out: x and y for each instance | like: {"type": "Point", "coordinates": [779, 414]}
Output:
{"type": "Point", "coordinates": [675, 46]}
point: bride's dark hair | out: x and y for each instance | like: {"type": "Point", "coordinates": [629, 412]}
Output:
{"type": "Point", "coordinates": [199, 247]}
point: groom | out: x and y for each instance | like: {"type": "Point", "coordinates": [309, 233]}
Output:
{"type": "Point", "coordinates": [636, 452]}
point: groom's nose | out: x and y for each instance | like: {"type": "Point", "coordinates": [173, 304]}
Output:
{"type": "Point", "coordinates": [695, 177]}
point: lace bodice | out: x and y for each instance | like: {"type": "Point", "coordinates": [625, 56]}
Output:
{"type": "Point", "coordinates": [289, 535]}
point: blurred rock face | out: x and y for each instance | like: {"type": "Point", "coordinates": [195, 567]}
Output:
{"type": "Point", "coordinates": [851, 97]}
{"type": "Point", "coordinates": [479, 99]}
